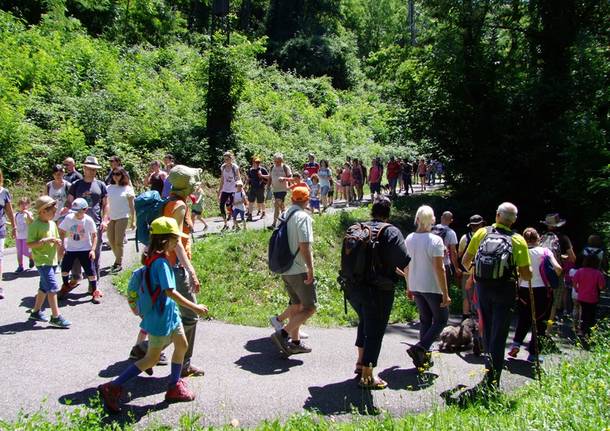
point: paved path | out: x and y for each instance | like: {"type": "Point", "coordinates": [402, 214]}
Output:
{"type": "Point", "coordinates": [245, 379]}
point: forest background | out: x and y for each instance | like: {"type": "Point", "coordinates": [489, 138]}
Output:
{"type": "Point", "coordinates": [512, 96]}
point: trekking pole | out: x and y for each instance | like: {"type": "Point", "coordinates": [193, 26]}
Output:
{"type": "Point", "coordinates": [534, 331]}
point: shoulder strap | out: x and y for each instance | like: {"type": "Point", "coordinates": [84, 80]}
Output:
{"type": "Point", "coordinates": [285, 169]}
{"type": "Point", "coordinates": [154, 294]}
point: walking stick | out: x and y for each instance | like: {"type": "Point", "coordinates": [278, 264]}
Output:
{"type": "Point", "coordinates": [534, 330]}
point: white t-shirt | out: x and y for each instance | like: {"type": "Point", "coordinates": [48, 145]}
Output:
{"type": "Point", "coordinates": [78, 232]}
{"type": "Point", "coordinates": [21, 221]}
{"type": "Point", "coordinates": [300, 229]}
{"type": "Point", "coordinates": [118, 201]}
{"type": "Point", "coordinates": [422, 248]}
{"type": "Point", "coordinates": [450, 239]}
{"type": "Point", "coordinates": [238, 201]}
{"type": "Point", "coordinates": [229, 174]}
{"type": "Point", "coordinates": [278, 172]}
{"type": "Point", "coordinates": [536, 255]}
{"type": "Point", "coordinates": [60, 195]}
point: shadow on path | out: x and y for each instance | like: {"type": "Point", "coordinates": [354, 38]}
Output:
{"type": "Point", "coordinates": [266, 360]}
{"type": "Point", "coordinates": [341, 397]}
{"type": "Point", "coordinates": [409, 379]}
{"type": "Point", "coordinates": [28, 325]}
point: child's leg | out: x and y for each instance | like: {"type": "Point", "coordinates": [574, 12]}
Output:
{"type": "Point", "coordinates": [89, 269]}
{"type": "Point", "coordinates": [142, 334]}
{"type": "Point", "coordinates": [52, 297]}
{"type": "Point", "coordinates": [66, 265]}
{"type": "Point", "coordinates": [19, 246]}
{"type": "Point", "coordinates": [40, 297]}
{"type": "Point", "coordinates": [180, 348]}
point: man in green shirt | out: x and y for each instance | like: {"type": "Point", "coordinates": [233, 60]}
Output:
{"type": "Point", "coordinates": [497, 297]}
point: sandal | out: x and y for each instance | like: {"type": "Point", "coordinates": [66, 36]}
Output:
{"type": "Point", "coordinates": [373, 383]}
{"type": "Point", "coordinates": [358, 369]}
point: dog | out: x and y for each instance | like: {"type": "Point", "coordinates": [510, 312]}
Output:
{"type": "Point", "coordinates": [457, 338]}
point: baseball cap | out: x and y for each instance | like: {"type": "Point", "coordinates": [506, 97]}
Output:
{"type": "Point", "coordinates": [44, 202]}
{"type": "Point", "coordinates": [300, 194]}
{"type": "Point", "coordinates": [79, 204]}
{"type": "Point", "coordinates": [239, 183]}
{"type": "Point", "coordinates": [166, 225]}
{"type": "Point", "coordinates": [475, 220]}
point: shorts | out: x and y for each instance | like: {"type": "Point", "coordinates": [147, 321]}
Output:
{"type": "Point", "coordinates": [325, 190]}
{"type": "Point", "coordinates": [83, 257]}
{"type": "Point", "coordinates": [314, 204]}
{"type": "Point", "coordinates": [280, 195]}
{"type": "Point", "coordinates": [256, 194]}
{"type": "Point", "coordinates": [331, 192]}
{"type": "Point", "coordinates": [558, 294]}
{"type": "Point", "coordinates": [346, 183]}
{"type": "Point", "coordinates": [196, 212]}
{"type": "Point", "coordinates": [162, 341]}
{"type": "Point", "coordinates": [298, 291]}
{"type": "Point", "coordinates": [375, 187]}
{"type": "Point", "coordinates": [48, 280]}
{"type": "Point", "coordinates": [238, 212]}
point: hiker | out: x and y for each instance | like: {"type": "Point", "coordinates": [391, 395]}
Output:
{"type": "Point", "coordinates": [371, 296]}
{"type": "Point", "coordinates": [325, 175]}
{"type": "Point", "coordinates": [426, 285]}
{"type": "Point", "coordinates": [197, 200]}
{"type": "Point", "coordinates": [496, 285]}
{"type": "Point", "coordinates": [44, 241]}
{"type": "Point", "coordinates": [311, 167]}
{"type": "Point", "coordinates": [375, 176]}
{"type": "Point", "coordinates": [314, 194]}
{"type": "Point", "coordinates": [58, 189]}
{"type": "Point", "coordinates": [256, 187]}
{"type": "Point", "coordinates": [239, 203]}
{"type": "Point", "coordinates": [407, 174]}
{"type": "Point", "coordinates": [346, 182]}
{"type": "Point", "coordinates": [95, 193]}
{"type": "Point", "coordinates": [162, 322]}
{"type": "Point", "coordinates": [561, 246]}
{"type": "Point", "coordinates": [229, 175]}
{"type": "Point", "coordinates": [393, 174]}
{"type": "Point", "coordinates": [421, 171]}
{"type": "Point", "coordinates": [474, 224]}
{"type": "Point", "coordinates": [115, 164]}
{"type": "Point", "coordinates": [542, 298]}
{"type": "Point", "coordinates": [588, 282]}
{"type": "Point", "coordinates": [449, 237]}
{"type": "Point", "coordinates": [81, 237]}
{"type": "Point", "coordinates": [6, 214]}
{"type": "Point", "coordinates": [23, 217]}
{"type": "Point", "coordinates": [168, 163]}
{"type": "Point", "coordinates": [71, 174]}
{"type": "Point", "coordinates": [358, 177]}
{"type": "Point", "coordinates": [299, 278]}
{"type": "Point", "coordinates": [280, 174]}
{"type": "Point", "coordinates": [156, 177]}
{"type": "Point", "coordinates": [121, 213]}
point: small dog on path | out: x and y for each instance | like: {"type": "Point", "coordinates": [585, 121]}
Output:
{"type": "Point", "coordinates": [457, 338]}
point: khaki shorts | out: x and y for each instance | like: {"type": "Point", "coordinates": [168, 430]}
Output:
{"type": "Point", "coordinates": [298, 291]}
{"type": "Point", "coordinates": [559, 294]}
{"type": "Point", "coordinates": [161, 342]}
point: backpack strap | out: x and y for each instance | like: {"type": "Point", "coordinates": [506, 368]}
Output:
{"type": "Point", "coordinates": [154, 294]}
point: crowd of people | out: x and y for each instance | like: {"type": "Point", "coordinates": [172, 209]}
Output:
{"type": "Point", "coordinates": [496, 267]}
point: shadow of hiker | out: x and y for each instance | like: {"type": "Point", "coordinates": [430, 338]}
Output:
{"type": "Point", "coordinates": [480, 395]}
{"type": "Point", "coordinates": [471, 358]}
{"type": "Point", "coordinates": [16, 327]}
{"type": "Point", "coordinates": [409, 379]}
{"type": "Point", "coordinates": [28, 302]}
{"type": "Point", "coordinates": [267, 360]}
{"type": "Point", "coordinates": [115, 369]}
{"type": "Point", "coordinates": [341, 397]}
{"type": "Point", "coordinates": [12, 276]}
{"type": "Point", "coordinates": [73, 299]}
{"type": "Point", "coordinates": [521, 367]}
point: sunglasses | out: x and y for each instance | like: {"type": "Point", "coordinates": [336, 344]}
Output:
{"type": "Point", "coordinates": [117, 174]}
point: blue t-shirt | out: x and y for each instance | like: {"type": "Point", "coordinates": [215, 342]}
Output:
{"type": "Point", "coordinates": [5, 198]}
{"type": "Point", "coordinates": [162, 324]}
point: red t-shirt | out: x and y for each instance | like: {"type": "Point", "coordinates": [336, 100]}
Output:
{"type": "Point", "coordinates": [393, 170]}
{"type": "Point", "coordinates": [588, 282]}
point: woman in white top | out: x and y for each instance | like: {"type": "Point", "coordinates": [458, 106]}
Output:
{"type": "Point", "coordinates": [325, 174]}
{"type": "Point", "coordinates": [427, 284]}
{"type": "Point", "coordinates": [229, 175]}
{"type": "Point", "coordinates": [543, 295]}
{"type": "Point", "coordinates": [121, 208]}
{"type": "Point", "coordinates": [58, 190]}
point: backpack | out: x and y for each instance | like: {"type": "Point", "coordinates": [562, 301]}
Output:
{"type": "Point", "coordinates": [547, 272]}
{"type": "Point", "coordinates": [279, 256]}
{"type": "Point", "coordinates": [149, 206]}
{"type": "Point", "coordinates": [141, 297]}
{"type": "Point", "coordinates": [469, 236]}
{"type": "Point", "coordinates": [359, 258]}
{"type": "Point", "coordinates": [440, 230]}
{"type": "Point", "coordinates": [494, 258]}
{"type": "Point", "coordinates": [551, 241]}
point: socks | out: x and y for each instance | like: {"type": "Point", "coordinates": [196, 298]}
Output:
{"type": "Point", "coordinates": [284, 333]}
{"type": "Point", "coordinates": [131, 372]}
{"type": "Point", "coordinates": [175, 375]}
{"type": "Point", "coordinates": [93, 285]}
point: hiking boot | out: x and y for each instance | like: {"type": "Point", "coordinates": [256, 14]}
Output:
{"type": "Point", "coordinates": [192, 371]}
{"type": "Point", "coordinates": [514, 350]}
{"type": "Point", "coordinates": [60, 322]}
{"type": "Point", "coordinates": [532, 358]}
{"type": "Point", "coordinates": [38, 316]}
{"type": "Point", "coordinates": [95, 296]}
{"type": "Point", "coordinates": [275, 322]}
{"type": "Point", "coordinates": [249, 218]}
{"type": "Point", "coordinates": [19, 269]}
{"type": "Point", "coordinates": [137, 353]}
{"type": "Point", "coordinates": [179, 393]}
{"type": "Point", "coordinates": [295, 349]}
{"type": "Point", "coordinates": [281, 342]}
{"type": "Point", "coordinates": [111, 395]}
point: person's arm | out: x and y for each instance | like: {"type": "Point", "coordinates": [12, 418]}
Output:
{"type": "Point", "coordinates": [8, 209]}
{"type": "Point", "coordinates": [222, 182]}
{"type": "Point", "coordinates": [439, 271]}
{"type": "Point", "coordinates": [454, 260]}
{"type": "Point", "coordinates": [571, 256]}
{"type": "Point", "coordinates": [556, 266]}
{"type": "Point", "coordinates": [47, 240]}
{"type": "Point", "coordinates": [105, 216]}
{"type": "Point", "coordinates": [183, 302]}
{"type": "Point", "coordinates": [306, 252]}
{"type": "Point", "coordinates": [132, 211]}
{"type": "Point", "coordinates": [93, 245]}
{"type": "Point", "coordinates": [147, 179]}
{"type": "Point", "coordinates": [178, 214]}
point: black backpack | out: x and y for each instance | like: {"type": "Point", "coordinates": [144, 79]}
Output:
{"type": "Point", "coordinates": [359, 258]}
{"type": "Point", "coordinates": [494, 259]}
{"type": "Point", "coordinates": [440, 230]}
{"type": "Point", "coordinates": [280, 256]}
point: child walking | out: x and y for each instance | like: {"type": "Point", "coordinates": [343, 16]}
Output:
{"type": "Point", "coordinates": [162, 323]}
{"type": "Point", "coordinates": [314, 194]}
{"type": "Point", "coordinates": [240, 201]}
{"type": "Point", "coordinates": [80, 233]}
{"type": "Point", "coordinates": [588, 282]}
{"type": "Point", "coordinates": [23, 218]}
{"type": "Point", "coordinates": [197, 208]}
{"type": "Point", "coordinates": [43, 239]}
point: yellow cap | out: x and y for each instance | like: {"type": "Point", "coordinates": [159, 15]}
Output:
{"type": "Point", "coordinates": [164, 226]}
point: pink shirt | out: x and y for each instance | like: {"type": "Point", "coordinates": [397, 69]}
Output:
{"type": "Point", "coordinates": [588, 282]}
{"type": "Point", "coordinates": [375, 174]}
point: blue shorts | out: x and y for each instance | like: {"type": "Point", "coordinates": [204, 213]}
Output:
{"type": "Point", "coordinates": [324, 190]}
{"type": "Point", "coordinates": [237, 212]}
{"type": "Point", "coordinates": [280, 195]}
{"type": "Point", "coordinates": [314, 204]}
{"type": "Point", "coordinates": [48, 279]}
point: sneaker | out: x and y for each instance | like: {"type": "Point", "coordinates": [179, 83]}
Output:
{"type": "Point", "coordinates": [532, 358]}
{"type": "Point", "coordinates": [60, 322]}
{"type": "Point", "coordinates": [162, 359]}
{"type": "Point", "coordinates": [249, 218]}
{"type": "Point", "coordinates": [303, 335]}
{"type": "Point", "coordinates": [514, 350]}
{"type": "Point", "coordinates": [275, 322]}
{"type": "Point", "coordinates": [280, 342]}
{"type": "Point", "coordinates": [179, 393]}
{"type": "Point", "coordinates": [96, 295]}
{"type": "Point", "coordinates": [111, 394]}
{"type": "Point", "coordinates": [19, 269]}
{"type": "Point", "coordinates": [295, 349]}
{"type": "Point", "coordinates": [31, 263]}
{"type": "Point", "coordinates": [192, 371]}
{"type": "Point", "coordinates": [137, 353]}
{"type": "Point", "coordinates": [38, 316]}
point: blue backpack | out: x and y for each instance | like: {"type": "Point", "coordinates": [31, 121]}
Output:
{"type": "Point", "coordinates": [149, 206]}
{"type": "Point", "coordinates": [280, 256]}
{"type": "Point", "coordinates": [142, 298]}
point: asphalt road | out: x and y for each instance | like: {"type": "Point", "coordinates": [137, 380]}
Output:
{"type": "Point", "coordinates": [245, 378]}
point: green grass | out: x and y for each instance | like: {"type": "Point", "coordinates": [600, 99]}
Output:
{"type": "Point", "coordinates": [573, 395]}
{"type": "Point", "coordinates": [238, 288]}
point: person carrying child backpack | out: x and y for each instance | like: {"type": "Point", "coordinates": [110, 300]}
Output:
{"type": "Point", "coordinates": [161, 320]}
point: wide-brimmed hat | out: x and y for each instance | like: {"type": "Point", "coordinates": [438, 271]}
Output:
{"type": "Point", "coordinates": [184, 180]}
{"type": "Point", "coordinates": [300, 194]}
{"type": "Point", "coordinates": [553, 220]}
{"type": "Point", "coordinates": [166, 225]}
{"type": "Point", "coordinates": [44, 202]}
{"type": "Point", "coordinates": [475, 220]}
{"type": "Point", "coordinates": [91, 162]}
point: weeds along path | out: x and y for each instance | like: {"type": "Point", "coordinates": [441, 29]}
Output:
{"type": "Point", "coordinates": [245, 378]}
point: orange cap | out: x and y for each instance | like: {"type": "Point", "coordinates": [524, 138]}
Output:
{"type": "Point", "coordinates": [300, 194]}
